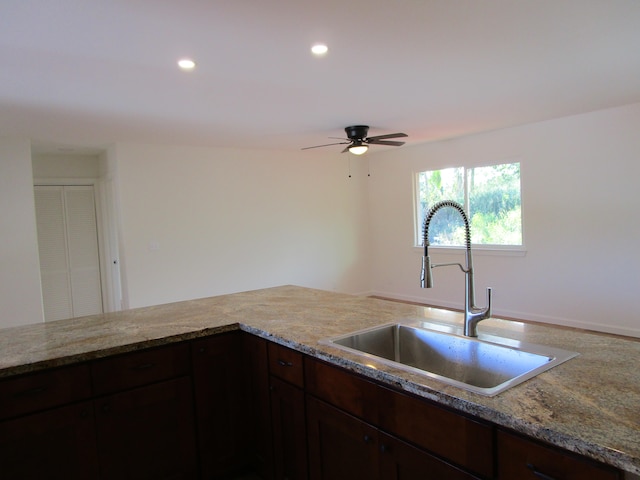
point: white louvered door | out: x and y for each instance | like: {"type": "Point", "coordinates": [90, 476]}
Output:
{"type": "Point", "coordinates": [68, 247]}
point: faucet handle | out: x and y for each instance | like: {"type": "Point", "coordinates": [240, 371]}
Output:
{"type": "Point", "coordinates": [488, 310]}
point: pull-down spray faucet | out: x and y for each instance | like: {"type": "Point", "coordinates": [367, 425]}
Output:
{"type": "Point", "coordinates": [472, 314]}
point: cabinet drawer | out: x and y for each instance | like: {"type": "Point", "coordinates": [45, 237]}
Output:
{"type": "Point", "coordinates": [286, 364]}
{"type": "Point", "coordinates": [461, 440]}
{"type": "Point", "coordinates": [527, 459]}
{"type": "Point", "coordinates": [39, 391]}
{"type": "Point", "coordinates": [135, 369]}
{"type": "Point", "coordinates": [342, 389]}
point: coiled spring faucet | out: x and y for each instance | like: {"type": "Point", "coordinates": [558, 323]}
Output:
{"type": "Point", "coordinates": [472, 314]}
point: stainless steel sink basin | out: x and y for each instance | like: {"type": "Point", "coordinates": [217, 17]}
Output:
{"type": "Point", "coordinates": [478, 365]}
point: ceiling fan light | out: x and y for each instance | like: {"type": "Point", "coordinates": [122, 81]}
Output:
{"type": "Point", "coordinates": [319, 49]}
{"type": "Point", "coordinates": [358, 148]}
{"type": "Point", "coordinates": [186, 64]}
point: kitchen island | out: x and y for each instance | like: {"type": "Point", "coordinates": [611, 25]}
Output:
{"type": "Point", "coordinates": [589, 405]}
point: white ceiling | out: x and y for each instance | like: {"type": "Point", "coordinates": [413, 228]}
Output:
{"type": "Point", "coordinates": [87, 73]}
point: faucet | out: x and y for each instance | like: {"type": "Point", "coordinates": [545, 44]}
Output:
{"type": "Point", "coordinates": [472, 314]}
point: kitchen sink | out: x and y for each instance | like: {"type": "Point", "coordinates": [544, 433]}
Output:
{"type": "Point", "coordinates": [486, 366]}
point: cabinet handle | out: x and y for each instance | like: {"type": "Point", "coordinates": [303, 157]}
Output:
{"type": "Point", "coordinates": [384, 448]}
{"type": "Point", "coordinates": [282, 363]}
{"type": "Point", "coordinates": [538, 473]}
{"type": "Point", "coordinates": [367, 439]}
{"type": "Point", "coordinates": [143, 366]}
{"type": "Point", "coordinates": [31, 391]}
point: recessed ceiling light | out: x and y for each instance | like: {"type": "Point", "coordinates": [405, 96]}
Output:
{"type": "Point", "coordinates": [186, 64]}
{"type": "Point", "coordinates": [319, 49]}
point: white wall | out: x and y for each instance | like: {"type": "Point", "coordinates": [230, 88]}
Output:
{"type": "Point", "coordinates": [198, 222]}
{"type": "Point", "coordinates": [580, 178]}
{"type": "Point", "coordinates": [20, 293]}
{"type": "Point", "coordinates": [58, 166]}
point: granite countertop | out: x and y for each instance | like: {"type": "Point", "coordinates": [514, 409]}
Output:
{"type": "Point", "coordinates": [589, 404]}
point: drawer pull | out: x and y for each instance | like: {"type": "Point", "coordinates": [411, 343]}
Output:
{"type": "Point", "coordinates": [143, 366]}
{"type": "Point", "coordinates": [30, 392]}
{"type": "Point", "coordinates": [282, 363]}
{"type": "Point", "coordinates": [538, 473]}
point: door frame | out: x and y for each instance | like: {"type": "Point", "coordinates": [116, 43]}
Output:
{"type": "Point", "coordinates": [108, 257]}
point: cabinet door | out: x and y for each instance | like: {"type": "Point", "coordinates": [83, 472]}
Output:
{"type": "Point", "coordinates": [259, 411]}
{"type": "Point", "coordinates": [341, 447]}
{"type": "Point", "coordinates": [148, 432]}
{"type": "Point", "coordinates": [520, 458]}
{"type": "Point", "coordinates": [219, 381]}
{"type": "Point", "coordinates": [401, 461]}
{"type": "Point", "coordinates": [55, 444]}
{"type": "Point", "coordinates": [289, 430]}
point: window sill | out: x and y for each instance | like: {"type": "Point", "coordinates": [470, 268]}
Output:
{"type": "Point", "coordinates": [481, 250]}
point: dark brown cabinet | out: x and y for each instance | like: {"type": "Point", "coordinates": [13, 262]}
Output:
{"type": "Point", "coordinates": [147, 432]}
{"type": "Point", "coordinates": [55, 444]}
{"type": "Point", "coordinates": [521, 458]}
{"type": "Point", "coordinates": [402, 461]}
{"type": "Point", "coordinates": [220, 405]}
{"type": "Point", "coordinates": [259, 412]}
{"type": "Point", "coordinates": [457, 438]}
{"type": "Point", "coordinates": [144, 418]}
{"type": "Point", "coordinates": [221, 399]}
{"type": "Point", "coordinates": [358, 430]}
{"type": "Point", "coordinates": [342, 447]}
{"type": "Point", "coordinates": [47, 425]}
{"type": "Point", "coordinates": [288, 416]}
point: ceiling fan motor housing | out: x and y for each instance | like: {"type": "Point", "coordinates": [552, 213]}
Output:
{"type": "Point", "coordinates": [357, 132]}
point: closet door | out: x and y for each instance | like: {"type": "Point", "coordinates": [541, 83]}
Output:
{"type": "Point", "coordinates": [68, 246]}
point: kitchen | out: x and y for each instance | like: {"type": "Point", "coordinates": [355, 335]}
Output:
{"type": "Point", "coordinates": [227, 219]}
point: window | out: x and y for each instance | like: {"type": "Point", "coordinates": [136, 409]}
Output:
{"type": "Point", "coordinates": [490, 196]}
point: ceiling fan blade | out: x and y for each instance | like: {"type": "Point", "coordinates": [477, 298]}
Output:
{"type": "Point", "coordinates": [346, 149]}
{"type": "Point", "coordinates": [388, 135]}
{"type": "Point", "coordinates": [385, 142]}
{"type": "Point", "coordinates": [325, 145]}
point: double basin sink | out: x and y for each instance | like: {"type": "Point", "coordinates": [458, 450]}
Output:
{"type": "Point", "coordinates": [486, 366]}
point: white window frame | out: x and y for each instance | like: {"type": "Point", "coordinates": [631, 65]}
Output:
{"type": "Point", "coordinates": [482, 249]}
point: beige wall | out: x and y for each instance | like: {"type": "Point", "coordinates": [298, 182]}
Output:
{"type": "Point", "coordinates": [580, 201]}
{"type": "Point", "coordinates": [20, 294]}
{"type": "Point", "coordinates": [198, 222]}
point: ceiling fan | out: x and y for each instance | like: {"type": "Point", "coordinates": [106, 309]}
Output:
{"type": "Point", "coordinates": [358, 142]}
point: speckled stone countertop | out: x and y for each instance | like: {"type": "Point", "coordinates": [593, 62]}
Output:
{"type": "Point", "coordinates": [589, 405]}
